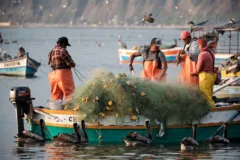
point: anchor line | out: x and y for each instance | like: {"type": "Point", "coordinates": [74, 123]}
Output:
{"type": "Point", "coordinates": [4, 84]}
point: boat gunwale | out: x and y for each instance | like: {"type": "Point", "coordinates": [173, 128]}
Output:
{"type": "Point", "coordinates": [70, 112]}
{"type": "Point", "coordinates": [124, 127]}
{"type": "Point", "coordinates": [15, 59]}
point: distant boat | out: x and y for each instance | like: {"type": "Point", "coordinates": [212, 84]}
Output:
{"type": "Point", "coordinates": [24, 66]}
{"type": "Point", "coordinates": [124, 55]}
{"type": "Point", "coordinates": [170, 54]}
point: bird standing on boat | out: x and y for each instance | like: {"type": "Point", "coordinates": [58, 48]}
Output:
{"type": "Point", "coordinates": [138, 139]}
{"type": "Point", "coordinates": [190, 143]}
{"type": "Point", "coordinates": [220, 139]}
{"type": "Point", "coordinates": [77, 137]}
{"type": "Point", "coordinates": [148, 19]}
{"type": "Point", "coordinates": [231, 20]}
{"type": "Point", "coordinates": [191, 23]}
{"type": "Point", "coordinates": [66, 137]}
{"type": "Point", "coordinates": [120, 43]}
{"type": "Point", "coordinates": [84, 136]}
{"type": "Point", "coordinates": [29, 136]}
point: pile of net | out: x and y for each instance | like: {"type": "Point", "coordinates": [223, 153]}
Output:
{"type": "Point", "coordinates": [126, 95]}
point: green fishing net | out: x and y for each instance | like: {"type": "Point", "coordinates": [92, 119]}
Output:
{"type": "Point", "coordinates": [120, 94]}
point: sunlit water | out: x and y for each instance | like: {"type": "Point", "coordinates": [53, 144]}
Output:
{"type": "Point", "coordinates": [87, 55]}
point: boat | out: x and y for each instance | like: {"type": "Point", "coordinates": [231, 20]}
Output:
{"type": "Point", "coordinates": [228, 92]}
{"type": "Point", "coordinates": [24, 66]}
{"type": "Point", "coordinates": [170, 54]}
{"type": "Point", "coordinates": [124, 55]}
{"type": "Point", "coordinates": [111, 129]}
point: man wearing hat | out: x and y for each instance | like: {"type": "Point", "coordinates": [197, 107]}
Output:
{"type": "Point", "coordinates": [188, 57]}
{"type": "Point", "coordinates": [61, 79]}
{"type": "Point", "coordinates": [154, 61]}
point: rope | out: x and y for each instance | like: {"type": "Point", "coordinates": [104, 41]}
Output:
{"type": "Point", "coordinates": [38, 68]}
{"type": "Point", "coordinates": [5, 84]}
{"type": "Point", "coordinates": [77, 75]}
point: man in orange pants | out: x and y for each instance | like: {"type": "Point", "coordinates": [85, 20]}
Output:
{"type": "Point", "coordinates": [188, 56]}
{"type": "Point", "coordinates": [154, 61]}
{"type": "Point", "coordinates": [61, 79]}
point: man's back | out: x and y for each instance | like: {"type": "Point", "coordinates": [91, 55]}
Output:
{"type": "Point", "coordinates": [60, 58]}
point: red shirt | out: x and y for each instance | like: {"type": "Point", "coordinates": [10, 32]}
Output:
{"type": "Point", "coordinates": [205, 62]}
{"type": "Point", "coordinates": [60, 58]}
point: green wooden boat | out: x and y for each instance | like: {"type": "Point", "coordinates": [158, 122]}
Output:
{"type": "Point", "coordinates": [111, 129]}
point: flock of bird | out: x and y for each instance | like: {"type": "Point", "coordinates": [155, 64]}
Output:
{"type": "Point", "coordinates": [78, 137]}
{"type": "Point", "coordinates": [188, 143]}
{"type": "Point", "coordinates": [133, 139]}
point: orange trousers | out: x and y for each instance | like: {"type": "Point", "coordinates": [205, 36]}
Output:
{"type": "Point", "coordinates": [152, 72]}
{"type": "Point", "coordinates": [188, 67]}
{"type": "Point", "coordinates": [61, 83]}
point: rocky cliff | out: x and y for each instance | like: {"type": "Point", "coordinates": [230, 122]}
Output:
{"type": "Point", "coordinates": [116, 12]}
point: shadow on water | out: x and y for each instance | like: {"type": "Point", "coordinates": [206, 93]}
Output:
{"type": "Point", "coordinates": [61, 150]}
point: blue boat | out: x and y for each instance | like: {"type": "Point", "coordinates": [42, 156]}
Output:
{"type": "Point", "coordinates": [24, 66]}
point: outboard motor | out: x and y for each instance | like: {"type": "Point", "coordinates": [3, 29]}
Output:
{"type": "Point", "coordinates": [20, 97]}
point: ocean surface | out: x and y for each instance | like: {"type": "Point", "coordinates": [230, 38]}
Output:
{"type": "Point", "coordinates": [88, 55]}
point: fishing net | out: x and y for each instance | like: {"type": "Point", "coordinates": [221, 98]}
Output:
{"type": "Point", "coordinates": [126, 95]}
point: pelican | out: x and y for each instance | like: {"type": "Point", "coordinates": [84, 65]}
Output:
{"type": "Point", "coordinates": [173, 45]}
{"type": "Point", "coordinates": [29, 136]}
{"type": "Point", "coordinates": [231, 20]}
{"type": "Point", "coordinates": [189, 143]}
{"type": "Point", "coordinates": [191, 23]}
{"type": "Point", "coordinates": [120, 43]}
{"type": "Point", "coordinates": [221, 139]}
{"type": "Point", "coordinates": [148, 19]}
{"type": "Point", "coordinates": [138, 139]}
{"type": "Point", "coordinates": [72, 138]}
{"type": "Point", "coordinates": [84, 136]}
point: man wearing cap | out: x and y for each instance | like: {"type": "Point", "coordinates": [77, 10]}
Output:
{"type": "Point", "coordinates": [61, 79]}
{"type": "Point", "coordinates": [154, 61]}
{"type": "Point", "coordinates": [188, 57]}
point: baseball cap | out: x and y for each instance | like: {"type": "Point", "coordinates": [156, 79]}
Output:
{"type": "Point", "coordinates": [158, 42]}
{"type": "Point", "coordinates": [185, 34]}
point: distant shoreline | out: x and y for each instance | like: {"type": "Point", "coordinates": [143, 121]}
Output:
{"type": "Point", "coordinates": [146, 26]}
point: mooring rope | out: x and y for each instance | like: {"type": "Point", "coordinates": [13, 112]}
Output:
{"type": "Point", "coordinates": [79, 73]}
{"type": "Point", "coordinates": [76, 72]}
{"type": "Point", "coordinates": [38, 68]}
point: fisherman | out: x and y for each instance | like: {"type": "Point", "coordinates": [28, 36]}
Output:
{"type": "Point", "coordinates": [154, 61]}
{"type": "Point", "coordinates": [205, 70]}
{"type": "Point", "coordinates": [21, 52]}
{"type": "Point", "coordinates": [188, 58]}
{"type": "Point", "coordinates": [61, 78]}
